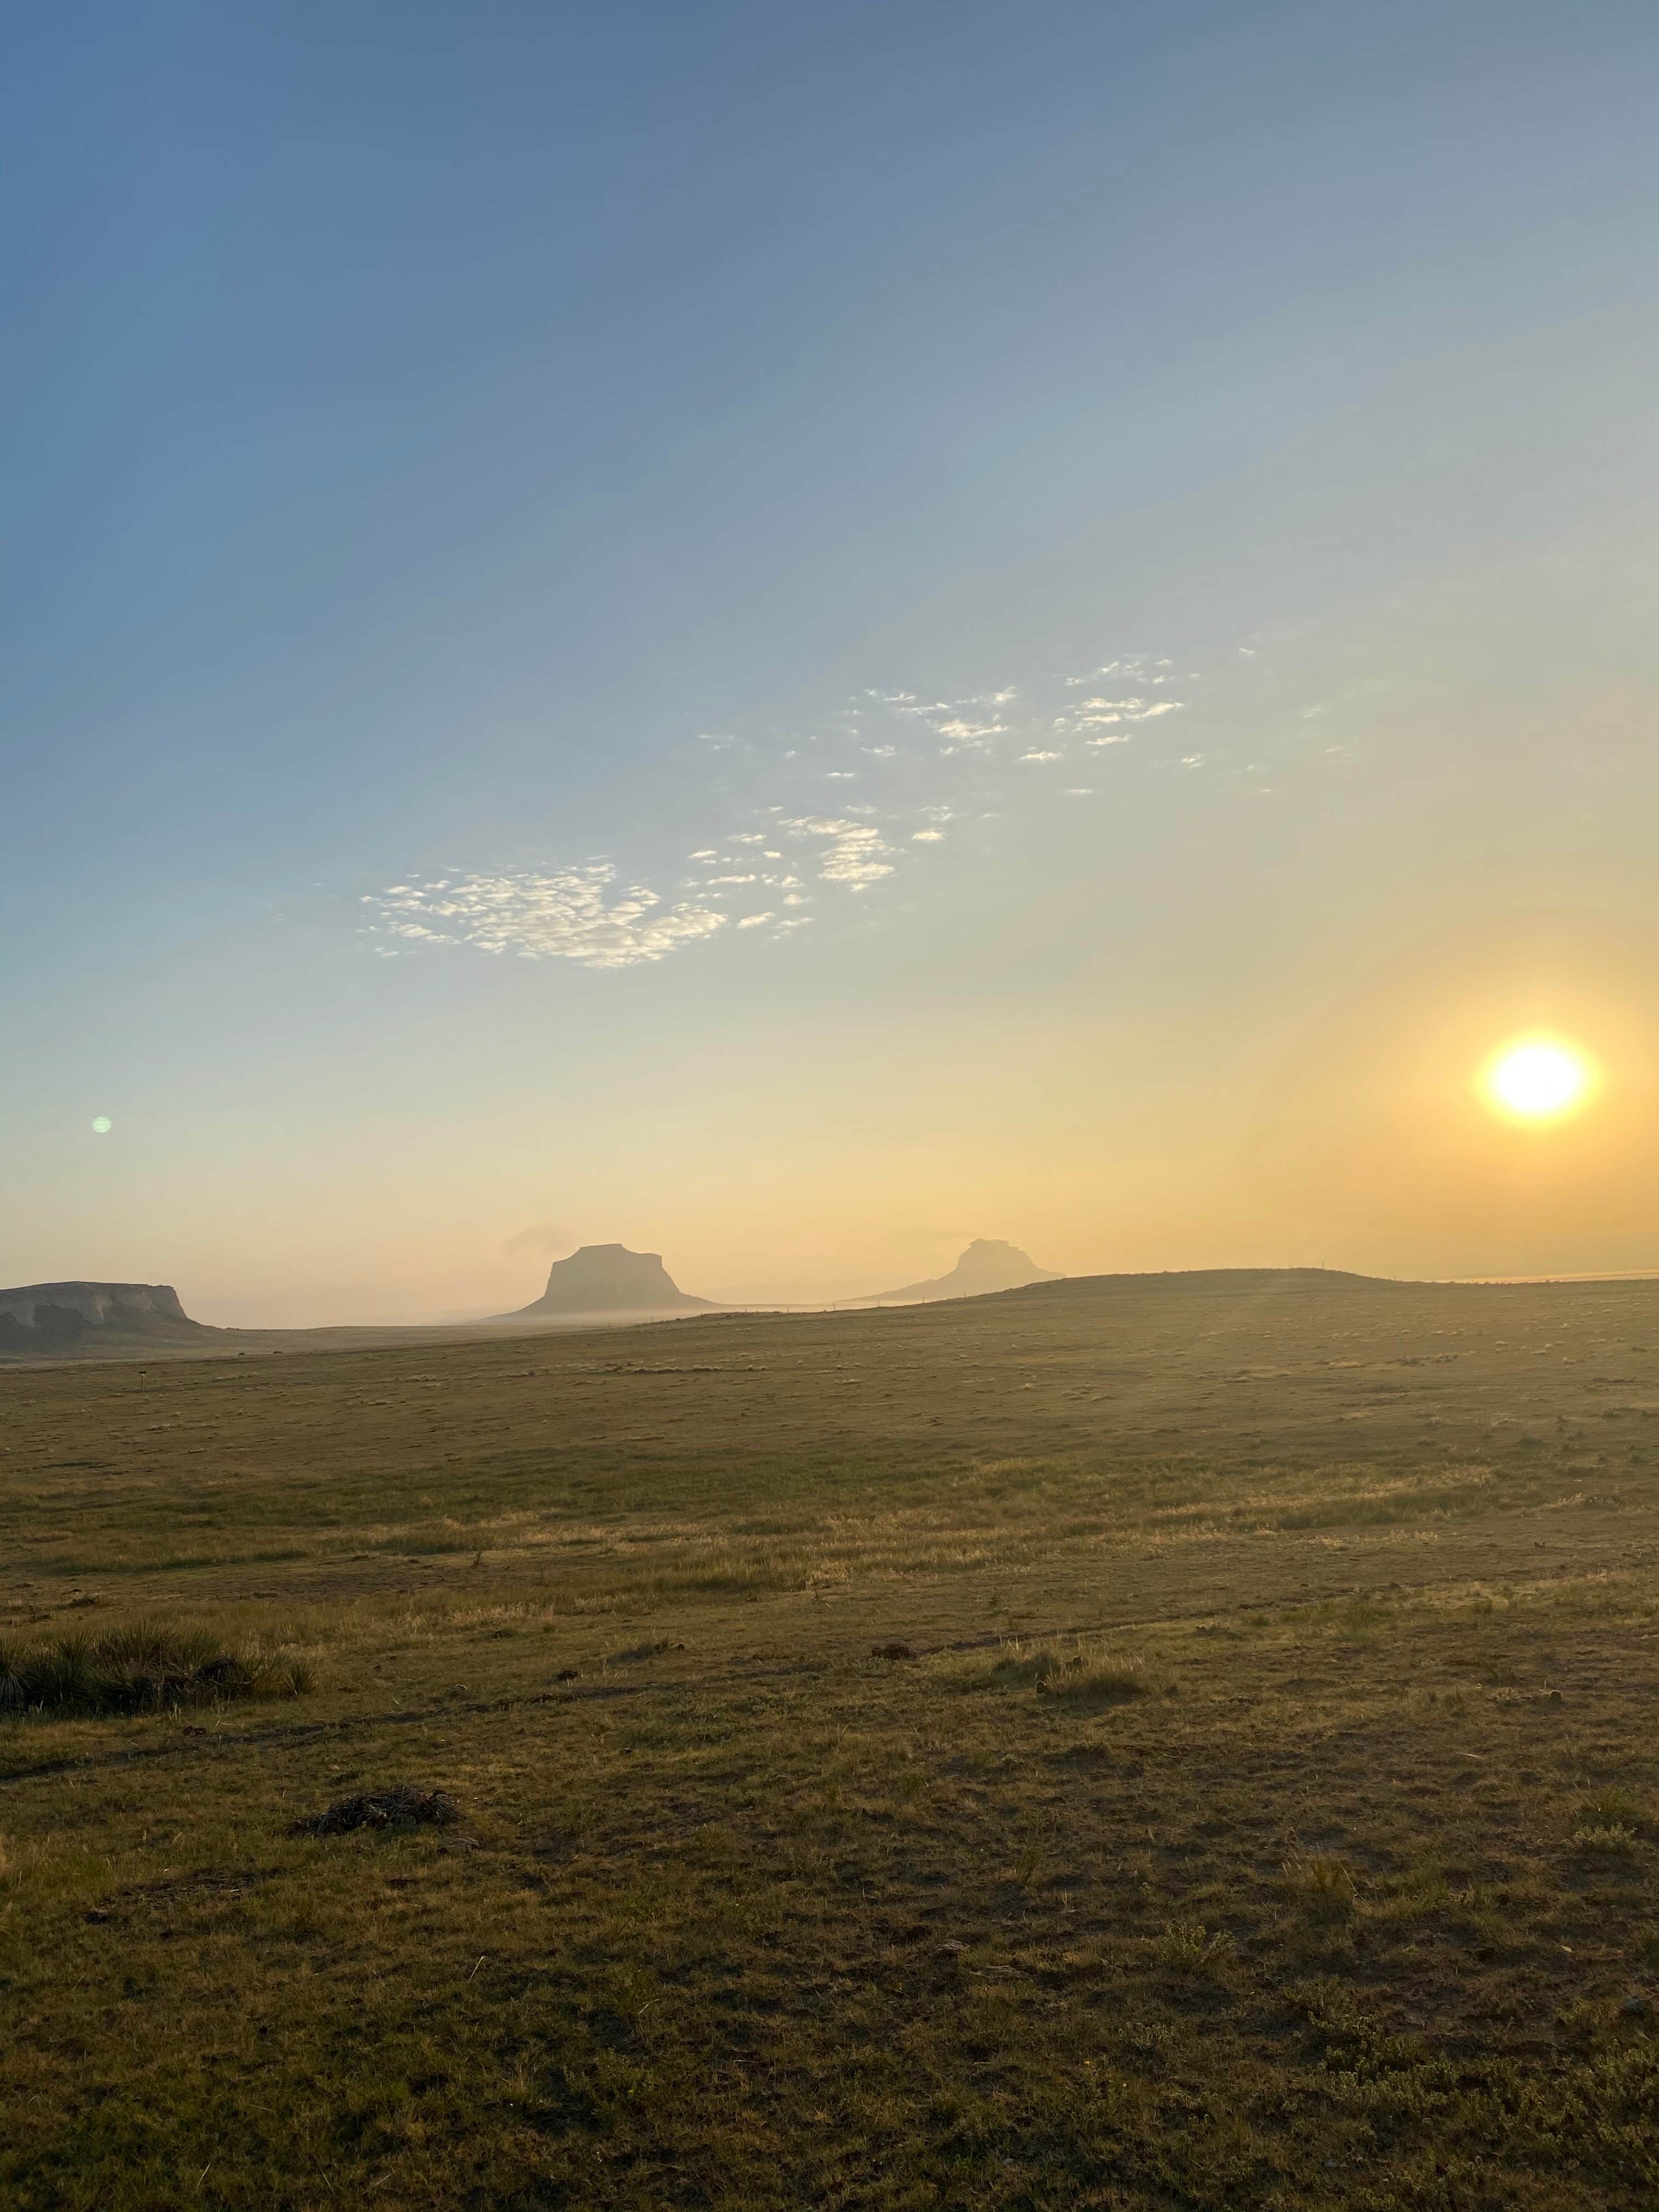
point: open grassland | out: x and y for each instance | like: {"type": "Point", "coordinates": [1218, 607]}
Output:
{"type": "Point", "coordinates": [1266, 1814]}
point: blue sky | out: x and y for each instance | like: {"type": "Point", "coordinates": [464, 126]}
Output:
{"type": "Point", "coordinates": [484, 479]}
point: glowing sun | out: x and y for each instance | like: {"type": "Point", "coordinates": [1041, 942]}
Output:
{"type": "Point", "coordinates": [1537, 1080]}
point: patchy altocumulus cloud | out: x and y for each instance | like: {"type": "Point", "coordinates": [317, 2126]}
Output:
{"type": "Point", "coordinates": [886, 782]}
{"type": "Point", "coordinates": [567, 913]}
{"type": "Point", "coordinates": [851, 853]}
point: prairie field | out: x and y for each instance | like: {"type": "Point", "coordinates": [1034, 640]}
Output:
{"type": "Point", "coordinates": [1161, 1741]}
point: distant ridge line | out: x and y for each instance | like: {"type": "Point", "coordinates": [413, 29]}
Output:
{"type": "Point", "coordinates": [1346, 1278]}
{"type": "Point", "coordinates": [1180, 1279]}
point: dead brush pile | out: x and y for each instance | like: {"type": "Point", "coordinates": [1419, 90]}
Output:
{"type": "Point", "coordinates": [146, 1667]}
{"type": "Point", "coordinates": [401, 1806]}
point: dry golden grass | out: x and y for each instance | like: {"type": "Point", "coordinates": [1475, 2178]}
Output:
{"type": "Point", "coordinates": [1268, 1817]}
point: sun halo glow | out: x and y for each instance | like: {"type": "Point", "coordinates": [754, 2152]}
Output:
{"type": "Point", "coordinates": [1537, 1080]}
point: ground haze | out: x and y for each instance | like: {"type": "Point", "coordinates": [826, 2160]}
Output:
{"type": "Point", "coordinates": [1175, 1742]}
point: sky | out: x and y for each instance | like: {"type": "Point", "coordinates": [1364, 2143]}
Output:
{"type": "Point", "coordinates": [790, 635]}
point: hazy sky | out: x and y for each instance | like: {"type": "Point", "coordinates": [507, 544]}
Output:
{"type": "Point", "coordinates": [792, 634]}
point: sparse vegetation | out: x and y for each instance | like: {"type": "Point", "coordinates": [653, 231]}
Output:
{"type": "Point", "coordinates": [1223, 1843]}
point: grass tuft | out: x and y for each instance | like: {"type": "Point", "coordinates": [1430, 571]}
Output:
{"type": "Point", "coordinates": [1072, 1676]}
{"type": "Point", "coordinates": [1187, 1946]}
{"type": "Point", "coordinates": [1609, 1808]}
{"type": "Point", "coordinates": [1323, 1887]}
{"type": "Point", "coordinates": [1018, 1668]}
{"type": "Point", "coordinates": [1097, 1682]}
{"type": "Point", "coordinates": [142, 1667]}
{"type": "Point", "coordinates": [1612, 1838]}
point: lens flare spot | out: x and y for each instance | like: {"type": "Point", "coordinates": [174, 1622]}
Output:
{"type": "Point", "coordinates": [1538, 1079]}
{"type": "Point", "coordinates": [102, 1124]}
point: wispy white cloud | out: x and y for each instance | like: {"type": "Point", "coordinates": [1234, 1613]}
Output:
{"type": "Point", "coordinates": [1138, 666]}
{"type": "Point", "coordinates": [1090, 716]}
{"type": "Point", "coordinates": [957, 730]}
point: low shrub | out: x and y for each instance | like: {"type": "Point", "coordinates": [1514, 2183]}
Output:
{"type": "Point", "coordinates": [145, 1667]}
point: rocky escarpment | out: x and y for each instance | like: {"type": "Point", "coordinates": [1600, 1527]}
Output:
{"type": "Point", "coordinates": [46, 1319]}
{"type": "Point", "coordinates": [608, 1278]}
{"type": "Point", "coordinates": [988, 1264]}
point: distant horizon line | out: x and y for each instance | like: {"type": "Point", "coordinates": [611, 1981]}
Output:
{"type": "Point", "coordinates": [860, 1302]}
